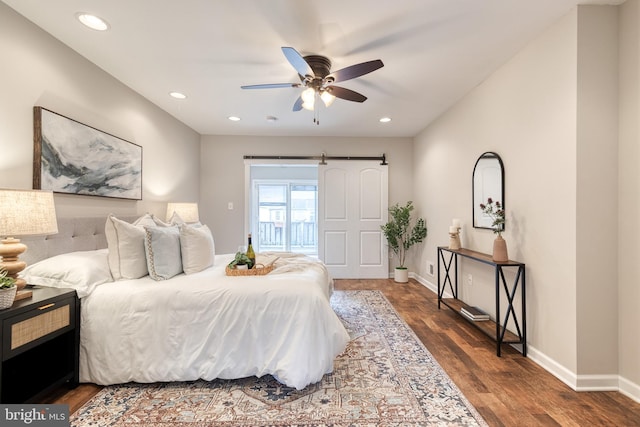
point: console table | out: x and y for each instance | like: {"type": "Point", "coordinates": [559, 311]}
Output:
{"type": "Point", "coordinates": [494, 329]}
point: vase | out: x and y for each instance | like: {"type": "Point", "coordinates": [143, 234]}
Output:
{"type": "Point", "coordinates": [500, 250]}
{"type": "Point", "coordinates": [401, 275]}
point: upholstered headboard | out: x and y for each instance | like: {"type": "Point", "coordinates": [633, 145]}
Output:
{"type": "Point", "coordinates": [74, 234]}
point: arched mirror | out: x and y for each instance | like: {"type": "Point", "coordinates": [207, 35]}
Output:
{"type": "Point", "coordinates": [488, 182]}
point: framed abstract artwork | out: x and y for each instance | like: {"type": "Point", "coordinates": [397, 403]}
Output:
{"type": "Point", "coordinates": [73, 158]}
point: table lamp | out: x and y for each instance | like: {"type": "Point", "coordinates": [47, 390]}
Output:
{"type": "Point", "coordinates": [23, 213]}
{"type": "Point", "coordinates": [187, 211]}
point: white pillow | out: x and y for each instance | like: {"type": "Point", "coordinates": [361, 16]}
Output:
{"type": "Point", "coordinates": [160, 223]}
{"type": "Point", "coordinates": [82, 271]}
{"type": "Point", "coordinates": [145, 220]}
{"type": "Point", "coordinates": [127, 259]}
{"type": "Point", "coordinates": [176, 219]}
{"type": "Point", "coordinates": [198, 248]}
{"type": "Point", "coordinates": [162, 247]}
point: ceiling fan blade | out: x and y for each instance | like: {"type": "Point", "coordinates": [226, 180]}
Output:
{"type": "Point", "coordinates": [354, 71]}
{"type": "Point", "coordinates": [298, 62]}
{"type": "Point", "coordinates": [298, 105]}
{"type": "Point", "coordinates": [348, 94]}
{"type": "Point", "coordinates": [271, 86]}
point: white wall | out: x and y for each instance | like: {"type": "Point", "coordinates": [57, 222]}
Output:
{"type": "Point", "coordinates": [597, 195]}
{"type": "Point", "coordinates": [552, 113]}
{"type": "Point", "coordinates": [222, 173]}
{"type": "Point", "coordinates": [629, 199]}
{"type": "Point", "coordinates": [525, 112]}
{"type": "Point", "coordinates": [38, 70]}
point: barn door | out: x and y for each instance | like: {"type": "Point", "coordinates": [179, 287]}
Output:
{"type": "Point", "coordinates": [352, 205]}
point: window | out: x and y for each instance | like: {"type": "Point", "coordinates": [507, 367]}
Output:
{"type": "Point", "coordinates": [284, 209]}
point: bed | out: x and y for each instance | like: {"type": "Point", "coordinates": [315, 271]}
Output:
{"type": "Point", "coordinates": [202, 325]}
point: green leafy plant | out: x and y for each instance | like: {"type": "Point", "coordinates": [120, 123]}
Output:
{"type": "Point", "coordinates": [401, 234]}
{"type": "Point", "coordinates": [495, 211]}
{"type": "Point", "coordinates": [6, 282]}
{"type": "Point", "coordinates": [241, 259]}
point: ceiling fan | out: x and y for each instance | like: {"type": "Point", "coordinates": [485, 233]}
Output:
{"type": "Point", "coordinates": [318, 80]}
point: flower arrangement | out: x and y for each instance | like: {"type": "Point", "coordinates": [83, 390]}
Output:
{"type": "Point", "coordinates": [495, 211]}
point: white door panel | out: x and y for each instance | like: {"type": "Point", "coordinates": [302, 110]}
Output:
{"type": "Point", "coordinates": [336, 248]}
{"type": "Point", "coordinates": [352, 205]}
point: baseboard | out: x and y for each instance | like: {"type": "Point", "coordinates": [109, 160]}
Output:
{"type": "Point", "coordinates": [424, 282]}
{"type": "Point", "coordinates": [576, 382]}
{"type": "Point", "coordinates": [629, 389]}
{"type": "Point", "coordinates": [597, 383]}
{"type": "Point", "coordinates": [551, 366]}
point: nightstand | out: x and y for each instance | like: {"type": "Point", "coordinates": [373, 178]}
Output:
{"type": "Point", "coordinates": [40, 339]}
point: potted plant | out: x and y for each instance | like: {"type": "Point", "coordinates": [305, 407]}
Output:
{"type": "Point", "coordinates": [401, 235]}
{"type": "Point", "coordinates": [8, 290]}
{"type": "Point", "coordinates": [241, 262]}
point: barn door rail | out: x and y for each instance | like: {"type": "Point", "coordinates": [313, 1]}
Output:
{"type": "Point", "coordinates": [322, 158]}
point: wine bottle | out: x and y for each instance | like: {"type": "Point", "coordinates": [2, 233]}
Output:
{"type": "Point", "coordinates": [250, 253]}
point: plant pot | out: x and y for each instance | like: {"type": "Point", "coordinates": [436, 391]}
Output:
{"type": "Point", "coordinates": [401, 275]}
{"type": "Point", "coordinates": [7, 296]}
{"type": "Point", "coordinates": [242, 267]}
{"type": "Point", "coordinates": [500, 250]}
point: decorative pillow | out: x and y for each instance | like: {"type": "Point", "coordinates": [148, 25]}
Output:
{"type": "Point", "coordinates": [145, 220]}
{"type": "Point", "coordinates": [160, 223]}
{"type": "Point", "coordinates": [162, 247]}
{"type": "Point", "coordinates": [176, 219]}
{"type": "Point", "coordinates": [127, 259]}
{"type": "Point", "coordinates": [198, 249]}
{"type": "Point", "coordinates": [82, 271]}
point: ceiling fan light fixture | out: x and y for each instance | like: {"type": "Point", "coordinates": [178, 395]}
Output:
{"type": "Point", "coordinates": [92, 21]}
{"type": "Point", "coordinates": [308, 99]}
{"type": "Point", "coordinates": [327, 98]}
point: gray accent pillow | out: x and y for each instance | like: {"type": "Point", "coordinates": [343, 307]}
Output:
{"type": "Point", "coordinates": [162, 249]}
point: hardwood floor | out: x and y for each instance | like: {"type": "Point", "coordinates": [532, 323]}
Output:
{"type": "Point", "coordinates": [507, 391]}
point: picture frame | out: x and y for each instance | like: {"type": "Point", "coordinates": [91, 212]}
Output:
{"type": "Point", "coordinates": [73, 158]}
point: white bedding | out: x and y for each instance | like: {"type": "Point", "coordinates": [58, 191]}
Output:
{"type": "Point", "coordinates": [208, 325]}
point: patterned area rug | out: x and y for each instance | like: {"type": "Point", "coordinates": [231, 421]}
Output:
{"type": "Point", "coordinates": [385, 377]}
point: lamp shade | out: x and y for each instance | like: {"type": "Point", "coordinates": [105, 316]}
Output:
{"type": "Point", "coordinates": [187, 211]}
{"type": "Point", "coordinates": [27, 212]}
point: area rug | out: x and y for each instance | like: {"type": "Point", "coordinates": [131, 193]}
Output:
{"type": "Point", "coordinates": [385, 377]}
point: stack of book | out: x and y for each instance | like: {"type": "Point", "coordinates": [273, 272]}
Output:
{"type": "Point", "coordinates": [473, 313]}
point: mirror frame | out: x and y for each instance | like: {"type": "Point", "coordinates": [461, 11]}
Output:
{"type": "Point", "coordinates": [476, 203]}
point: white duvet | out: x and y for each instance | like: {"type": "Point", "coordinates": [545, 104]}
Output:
{"type": "Point", "coordinates": [208, 325]}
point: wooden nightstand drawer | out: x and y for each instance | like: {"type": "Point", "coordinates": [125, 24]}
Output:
{"type": "Point", "coordinates": [40, 325]}
{"type": "Point", "coordinates": [40, 342]}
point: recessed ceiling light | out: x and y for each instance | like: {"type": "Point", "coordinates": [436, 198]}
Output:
{"type": "Point", "coordinates": [272, 119]}
{"type": "Point", "coordinates": [234, 118]}
{"type": "Point", "coordinates": [385, 120]}
{"type": "Point", "coordinates": [177, 95]}
{"type": "Point", "coordinates": [92, 21]}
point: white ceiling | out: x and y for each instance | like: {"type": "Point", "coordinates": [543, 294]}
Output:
{"type": "Point", "coordinates": [434, 52]}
